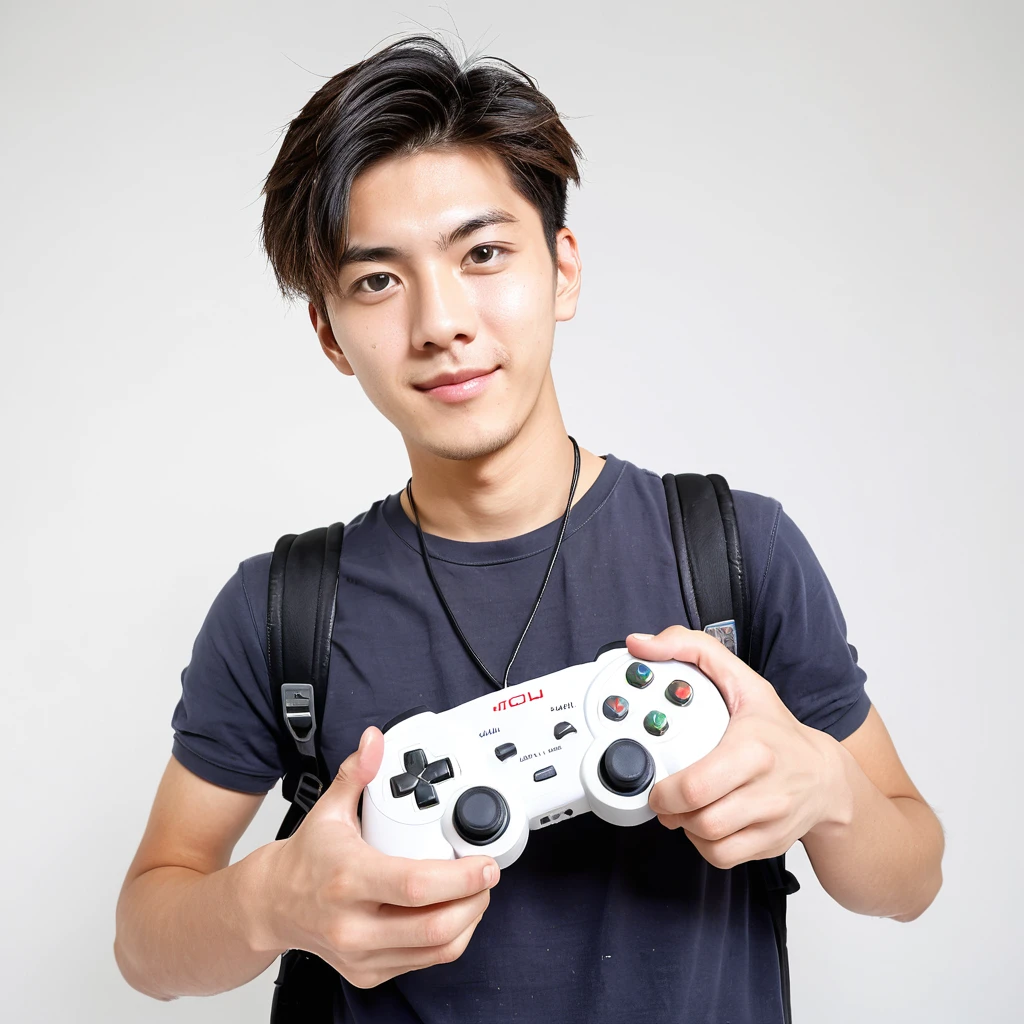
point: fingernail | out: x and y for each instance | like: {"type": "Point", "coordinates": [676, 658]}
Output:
{"type": "Point", "coordinates": [490, 874]}
{"type": "Point", "coordinates": [641, 636]}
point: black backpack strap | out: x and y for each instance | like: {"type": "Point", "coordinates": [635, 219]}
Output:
{"type": "Point", "coordinates": [702, 518]}
{"type": "Point", "coordinates": [707, 543]}
{"type": "Point", "coordinates": [301, 598]}
{"type": "Point", "coordinates": [778, 883]}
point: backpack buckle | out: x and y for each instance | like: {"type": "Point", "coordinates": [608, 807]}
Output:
{"type": "Point", "coordinates": [300, 715]}
{"type": "Point", "coordinates": [725, 632]}
{"type": "Point", "coordinates": [307, 791]}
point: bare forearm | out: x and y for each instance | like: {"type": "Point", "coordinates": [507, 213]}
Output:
{"type": "Point", "coordinates": [879, 855]}
{"type": "Point", "coordinates": [183, 933]}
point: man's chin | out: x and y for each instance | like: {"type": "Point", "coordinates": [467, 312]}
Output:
{"type": "Point", "coordinates": [464, 449]}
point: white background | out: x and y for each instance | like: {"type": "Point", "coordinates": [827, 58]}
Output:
{"type": "Point", "coordinates": [801, 232]}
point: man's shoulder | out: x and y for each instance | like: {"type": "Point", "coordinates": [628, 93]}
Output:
{"type": "Point", "coordinates": [239, 610]}
{"type": "Point", "coordinates": [254, 573]}
{"type": "Point", "coordinates": [252, 576]}
{"type": "Point", "coordinates": [757, 520]}
{"type": "Point", "coordinates": [756, 513]}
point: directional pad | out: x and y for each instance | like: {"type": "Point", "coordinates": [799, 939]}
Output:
{"type": "Point", "coordinates": [426, 795]}
{"type": "Point", "coordinates": [419, 778]}
{"type": "Point", "coordinates": [437, 771]}
{"type": "Point", "coordinates": [403, 785]}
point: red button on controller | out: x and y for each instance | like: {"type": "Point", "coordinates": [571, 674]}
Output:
{"type": "Point", "coordinates": [679, 693]}
{"type": "Point", "coordinates": [615, 708]}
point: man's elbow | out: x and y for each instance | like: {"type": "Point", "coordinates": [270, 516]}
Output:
{"type": "Point", "coordinates": [130, 975]}
{"type": "Point", "coordinates": [930, 893]}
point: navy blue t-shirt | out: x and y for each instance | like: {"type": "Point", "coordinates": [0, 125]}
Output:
{"type": "Point", "coordinates": [593, 923]}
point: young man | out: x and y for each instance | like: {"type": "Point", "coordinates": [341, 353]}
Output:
{"type": "Point", "coordinates": [419, 206]}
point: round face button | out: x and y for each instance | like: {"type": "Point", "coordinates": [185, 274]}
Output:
{"type": "Point", "coordinates": [679, 693]}
{"type": "Point", "coordinates": [656, 723]}
{"type": "Point", "coordinates": [639, 675]}
{"type": "Point", "coordinates": [615, 708]}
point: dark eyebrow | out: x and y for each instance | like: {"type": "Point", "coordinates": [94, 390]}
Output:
{"type": "Point", "coordinates": [379, 253]}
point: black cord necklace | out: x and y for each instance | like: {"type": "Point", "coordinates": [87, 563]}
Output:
{"type": "Point", "coordinates": [554, 554]}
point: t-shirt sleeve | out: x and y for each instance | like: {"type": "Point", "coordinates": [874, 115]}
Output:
{"type": "Point", "coordinates": [225, 726]}
{"type": "Point", "coordinates": [798, 632]}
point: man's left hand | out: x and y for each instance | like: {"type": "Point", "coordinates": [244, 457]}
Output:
{"type": "Point", "coordinates": [769, 781]}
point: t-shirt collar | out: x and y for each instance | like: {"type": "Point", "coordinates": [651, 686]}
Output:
{"type": "Point", "coordinates": [490, 552]}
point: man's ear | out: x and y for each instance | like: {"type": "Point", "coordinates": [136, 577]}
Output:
{"type": "Point", "coordinates": [328, 342]}
{"type": "Point", "coordinates": [569, 272]}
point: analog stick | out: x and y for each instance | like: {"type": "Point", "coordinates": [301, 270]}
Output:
{"type": "Point", "coordinates": [480, 815]}
{"type": "Point", "coordinates": [626, 768]}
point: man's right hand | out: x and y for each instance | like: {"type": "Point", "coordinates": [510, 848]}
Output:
{"type": "Point", "coordinates": [369, 915]}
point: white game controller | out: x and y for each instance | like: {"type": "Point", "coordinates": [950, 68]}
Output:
{"type": "Point", "coordinates": [595, 737]}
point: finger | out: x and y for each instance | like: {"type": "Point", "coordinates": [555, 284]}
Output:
{"type": "Point", "coordinates": [436, 925]}
{"type": "Point", "coordinates": [341, 797]}
{"type": "Point", "coordinates": [755, 842]}
{"type": "Point", "coordinates": [416, 957]}
{"type": "Point", "coordinates": [407, 882]}
{"type": "Point", "coordinates": [382, 965]}
{"type": "Point", "coordinates": [736, 761]}
{"type": "Point", "coordinates": [719, 664]}
{"type": "Point", "coordinates": [746, 806]}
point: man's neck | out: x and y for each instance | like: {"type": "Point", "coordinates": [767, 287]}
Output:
{"type": "Point", "coordinates": [519, 488]}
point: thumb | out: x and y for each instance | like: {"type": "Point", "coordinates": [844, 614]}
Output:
{"type": "Point", "coordinates": [342, 796]}
{"type": "Point", "coordinates": [736, 682]}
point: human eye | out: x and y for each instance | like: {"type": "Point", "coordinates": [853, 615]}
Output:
{"type": "Point", "coordinates": [491, 254]}
{"type": "Point", "coordinates": [372, 280]}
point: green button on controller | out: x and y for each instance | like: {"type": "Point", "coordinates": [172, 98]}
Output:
{"type": "Point", "coordinates": [656, 723]}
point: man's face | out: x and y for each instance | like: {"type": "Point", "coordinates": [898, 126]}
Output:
{"type": "Point", "coordinates": [413, 321]}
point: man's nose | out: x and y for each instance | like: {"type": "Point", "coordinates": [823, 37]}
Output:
{"type": "Point", "coordinates": [442, 309]}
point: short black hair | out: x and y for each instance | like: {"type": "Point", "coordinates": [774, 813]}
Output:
{"type": "Point", "coordinates": [410, 96]}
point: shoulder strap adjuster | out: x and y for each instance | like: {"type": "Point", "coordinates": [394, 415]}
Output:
{"type": "Point", "coordinates": [300, 715]}
{"type": "Point", "coordinates": [725, 633]}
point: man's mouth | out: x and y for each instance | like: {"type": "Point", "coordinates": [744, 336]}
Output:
{"type": "Point", "coordinates": [457, 377]}
{"type": "Point", "coordinates": [458, 386]}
